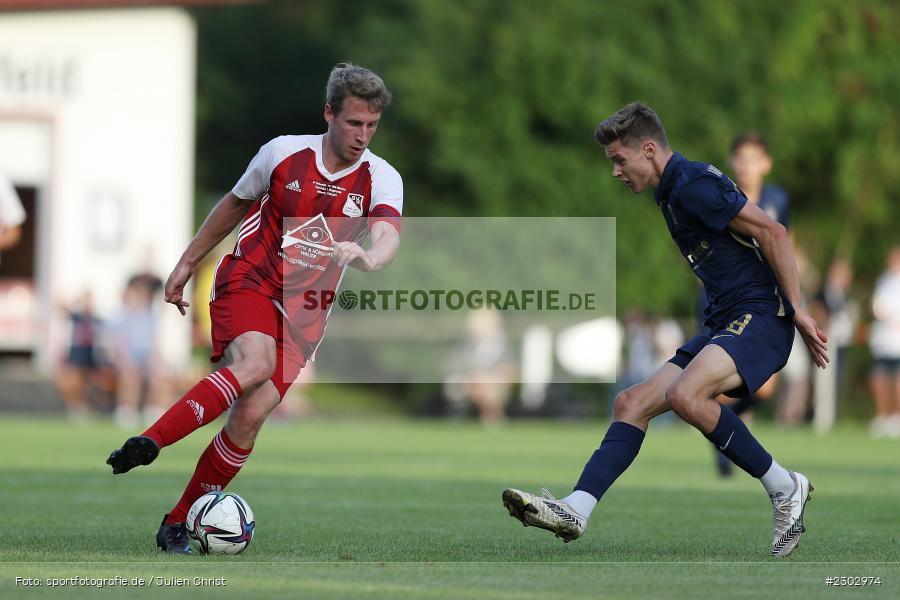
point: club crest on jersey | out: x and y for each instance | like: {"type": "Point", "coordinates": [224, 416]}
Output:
{"type": "Point", "coordinates": [353, 207]}
{"type": "Point", "coordinates": [307, 244]}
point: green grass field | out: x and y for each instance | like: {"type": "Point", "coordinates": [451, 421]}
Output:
{"type": "Point", "coordinates": [400, 509]}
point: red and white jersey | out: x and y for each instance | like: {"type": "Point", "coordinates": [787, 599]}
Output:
{"type": "Point", "coordinates": [301, 209]}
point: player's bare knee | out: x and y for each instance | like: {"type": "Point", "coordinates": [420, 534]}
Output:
{"type": "Point", "coordinates": [627, 404]}
{"type": "Point", "coordinates": [680, 399]}
{"type": "Point", "coordinates": [251, 358]}
{"type": "Point", "coordinates": [254, 369]}
{"type": "Point", "coordinates": [636, 404]}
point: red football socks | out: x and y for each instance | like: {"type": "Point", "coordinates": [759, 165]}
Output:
{"type": "Point", "coordinates": [202, 404]}
{"type": "Point", "coordinates": [217, 466]}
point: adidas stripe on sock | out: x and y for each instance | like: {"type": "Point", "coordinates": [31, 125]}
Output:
{"type": "Point", "coordinates": [203, 403]}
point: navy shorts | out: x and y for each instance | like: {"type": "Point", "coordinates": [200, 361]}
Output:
{"type": "Point", "coordinates": [758, 344]}
{"type": "Point", "coordinates": [886, 366]}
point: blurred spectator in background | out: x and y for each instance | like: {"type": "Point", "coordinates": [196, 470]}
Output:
{"type": "Point", "coordinates": [793, 403]}
{"type": "Point", "coordinates": [12, 214]}
{"type": "Point", "coordinates": [137, 361]}
{"type": "Point", "coordinates": [649, 343]}
{"type": "Point", "coordinates": [839, 314]}
{"type": "Point", "coordinates": [482, 372]}
{"type": "Point", "coordinates": [201, 322]}
{"type": "Point", "coordinates": [640, 353]}
{"type": "Point", "coordinates": [83, 363]}
{"type": "Point", "coordinates": [751, 163]}
{"type": "Point", "coordinates": [668, 337]}
{"type": "Point", "coordinates": [884, 340]}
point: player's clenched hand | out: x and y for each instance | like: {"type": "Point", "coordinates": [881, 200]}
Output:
{"type": "Point", "coordinates": [347, 252]}
{"type": "Point", "coordinates": [813, 336]}
{"type": "Point", "coordinates": [175, 286]}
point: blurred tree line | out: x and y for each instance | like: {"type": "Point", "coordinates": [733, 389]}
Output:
{"type": "Point", "coordinates": [496, 104]}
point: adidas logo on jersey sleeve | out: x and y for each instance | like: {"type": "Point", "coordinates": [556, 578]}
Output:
{"type": "Point", "coordinates": [294, 186]}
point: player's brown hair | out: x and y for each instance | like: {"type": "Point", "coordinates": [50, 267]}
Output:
{"type": "Point", "coordinates": [750, 138]}
{"type": "Point", "coordinates": [347, 79]}
{"type": "Point", "coordinates": [631, 124]}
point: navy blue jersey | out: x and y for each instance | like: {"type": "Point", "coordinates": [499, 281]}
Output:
{"type": "Point", "coordinates": [698, 202]}
{"type": "Point", "coordinates": [774, 202]}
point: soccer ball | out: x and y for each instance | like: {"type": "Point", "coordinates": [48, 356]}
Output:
{"type": "Point", "coordinates": [220, 523]}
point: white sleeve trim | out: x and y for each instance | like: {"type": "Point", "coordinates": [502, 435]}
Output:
{"type": "Point", "coordinates": [387, 186]}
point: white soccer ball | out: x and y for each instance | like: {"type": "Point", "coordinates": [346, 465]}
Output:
{"type": "Point", "coordinates": [220, 523]}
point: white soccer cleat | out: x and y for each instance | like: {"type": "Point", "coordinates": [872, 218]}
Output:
{"type": "Point", "coordinates": [787, 514]}
{"type": "Point", "coordinates": [545, 512]}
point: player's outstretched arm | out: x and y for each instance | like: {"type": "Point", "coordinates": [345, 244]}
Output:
{"type": "Point", "coordinates": [223, 218]}
{"type": "Point", "coordinates": [385, 241]}
{"type": "Point", "coordinates": [775, 244]}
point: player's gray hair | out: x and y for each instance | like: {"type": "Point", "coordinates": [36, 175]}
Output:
{"type": "Point", "coordinates": [632, 123]}
{"type": "Point", "coordinates": [347, 79]}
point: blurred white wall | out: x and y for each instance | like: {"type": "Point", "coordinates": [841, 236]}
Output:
{"type": "Point", "coordinates": [97, 114]}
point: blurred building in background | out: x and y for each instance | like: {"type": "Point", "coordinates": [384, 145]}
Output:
{"type": "Point", "coordinates": [96, 133]}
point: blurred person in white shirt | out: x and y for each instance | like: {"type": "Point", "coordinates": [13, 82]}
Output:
{"type": "Point", "coordinates": [884, 341]}
{"type": "Point", "coordinates": [840, 313]}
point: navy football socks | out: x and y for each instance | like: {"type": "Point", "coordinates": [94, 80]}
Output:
{"type": "Point", "coordinates": [616, 452]}
{"type": "Point", "coordinates": [736, 442]}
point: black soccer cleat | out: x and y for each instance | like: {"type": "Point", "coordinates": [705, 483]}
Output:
{"type": "Point", "coordinates": [136, 451]}
{"type": "Point", "coordinates": [173, 539]}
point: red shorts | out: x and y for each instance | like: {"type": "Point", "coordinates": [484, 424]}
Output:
{"type": "Point", "coordinates": [242, 310]}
